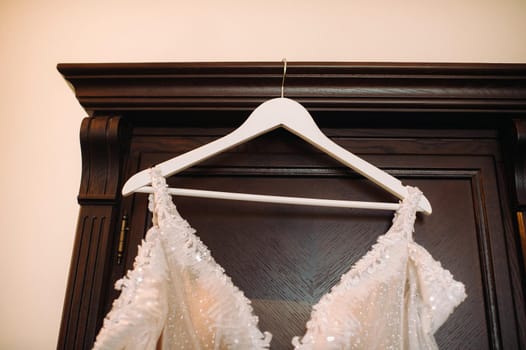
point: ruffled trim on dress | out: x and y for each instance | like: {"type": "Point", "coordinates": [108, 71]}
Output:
{"type": "Point", "coordinates": [335, 326]}
{"type": "Point", "coordinates": [441, 293]}
{"type": "Point", "coordinates": [138, 315]}
{"type": "Point", "coordinates": [230, 312]}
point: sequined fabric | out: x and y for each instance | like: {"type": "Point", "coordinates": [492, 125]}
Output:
{"type": "Point", "coordinates": [177, 297]}
{"type": "Point", "coordinates": [395, 297]}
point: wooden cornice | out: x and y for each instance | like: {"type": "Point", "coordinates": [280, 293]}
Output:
{"type": "Point", "coordinates": [363, 87]}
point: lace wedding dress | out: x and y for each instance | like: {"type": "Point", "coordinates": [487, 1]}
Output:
{"type": "Point", "coordinates": [178, 297]}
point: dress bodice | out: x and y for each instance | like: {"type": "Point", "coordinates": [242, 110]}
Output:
{"type": "Point", "coordinates": [178, 297]}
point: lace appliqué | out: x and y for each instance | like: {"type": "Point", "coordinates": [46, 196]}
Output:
{"type": "Point", "coordinates": [138, 314]}
{"type": "Point", "coordinates": [439, 291]}
{"type": "Point", "coordinates": [363, 311]}
{"type": "Point", "coordinates": [178, 297]}
{"type": "Point", "coordinates": [227, 321]}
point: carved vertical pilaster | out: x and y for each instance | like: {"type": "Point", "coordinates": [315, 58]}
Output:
{"type": "Point", "coordinates": [104, 143]}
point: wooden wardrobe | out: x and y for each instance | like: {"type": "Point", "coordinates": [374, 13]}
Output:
{"type": "Point", "coordinates": [457, 131]}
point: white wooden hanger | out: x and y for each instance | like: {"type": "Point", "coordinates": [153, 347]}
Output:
{"type": "Point", "coordinates": [270, 115]}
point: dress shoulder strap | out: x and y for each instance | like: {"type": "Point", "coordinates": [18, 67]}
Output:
{"type": "Point", "coordinates": [405, 216]}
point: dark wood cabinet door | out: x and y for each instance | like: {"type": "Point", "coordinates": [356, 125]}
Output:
{"type": "Point", "coordinates": [457, 131]}
{"type": "Point", "coordinates": [285, 258]}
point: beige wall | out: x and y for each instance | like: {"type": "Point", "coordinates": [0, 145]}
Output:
{"type": "Point", "coordinates": [40, 118]}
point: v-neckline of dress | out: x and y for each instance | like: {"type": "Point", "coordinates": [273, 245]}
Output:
{"type": "Point", "coordinates": [197, 253]}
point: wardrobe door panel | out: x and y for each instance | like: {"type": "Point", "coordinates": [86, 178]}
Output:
{"type": "Point", "coordinates": [286, 257]}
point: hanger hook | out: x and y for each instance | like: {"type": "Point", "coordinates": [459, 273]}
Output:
{"type": "Point", "coordinates": [284, 60]}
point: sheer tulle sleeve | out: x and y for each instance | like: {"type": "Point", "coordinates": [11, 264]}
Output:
{"type": "Point", "coordinates": [138, 315]}
{"type": "Point", "coordinates": [440, 292]}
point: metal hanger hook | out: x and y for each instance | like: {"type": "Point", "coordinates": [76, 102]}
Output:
{"type": "Point", "coordinates": [284, 60]}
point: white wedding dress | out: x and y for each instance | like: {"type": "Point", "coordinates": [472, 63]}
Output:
{"type": "Point", "coordinates": [178, 297]}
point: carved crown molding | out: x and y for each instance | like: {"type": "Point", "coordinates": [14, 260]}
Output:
{"type": "Point", "coordinates": [367, 87]}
